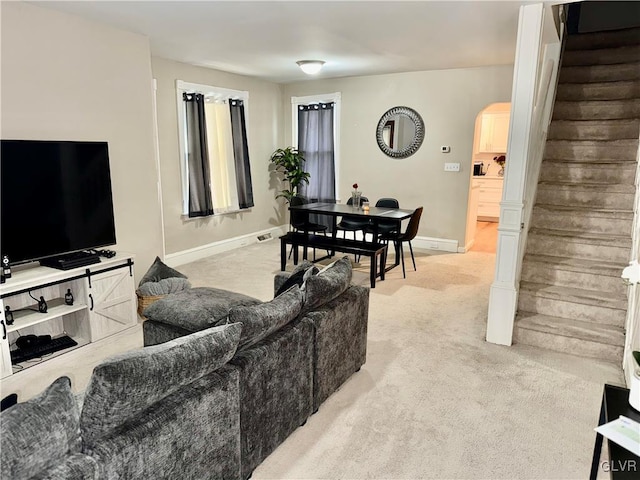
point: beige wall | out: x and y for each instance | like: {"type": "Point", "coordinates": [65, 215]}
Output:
{"type": "Point", "coordinates": [65, 78]}
{"type": "Point", "coordinates": [448, 101]}
{"type": "Point", "coordinates": [264, 130]}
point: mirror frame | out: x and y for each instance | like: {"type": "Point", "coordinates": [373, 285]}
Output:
{"type": "Point", "coordinates": [417, 139]}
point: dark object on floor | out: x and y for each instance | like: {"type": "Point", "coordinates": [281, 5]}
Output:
{"type": "Point", "coordinates": [8, 401]}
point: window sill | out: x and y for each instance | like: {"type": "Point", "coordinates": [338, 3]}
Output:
{"type": "Point", "coordinates": [186, 217]}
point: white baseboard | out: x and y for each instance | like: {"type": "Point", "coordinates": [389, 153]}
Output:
{"type": "Point", "coordinates": [203, 251]}
{"type": "Point", "coordinates": [431, 243]}
{"type": "Point", "coordinates": [198, 253]}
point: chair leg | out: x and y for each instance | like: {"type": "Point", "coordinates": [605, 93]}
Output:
{"type": "Point", "coordinates": [401, 253]}
{"type": "Point", "coordinates": [412, 257]}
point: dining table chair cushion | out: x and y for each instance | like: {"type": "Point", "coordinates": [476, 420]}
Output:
{"type": "Point", "coordinates": [328, 284]}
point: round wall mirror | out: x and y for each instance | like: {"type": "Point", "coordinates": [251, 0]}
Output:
{"type": "Point", "coordinates": [400, 132]}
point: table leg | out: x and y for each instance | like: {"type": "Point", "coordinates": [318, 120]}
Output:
{"type": "Point", "coordinates": [597, 448]}
{"type": "Point", "coordinates": [373, 269]}
{"type": "Point", "coordinates": [383, 263]}
{"type": "Point", "coordinates": [283, 254]}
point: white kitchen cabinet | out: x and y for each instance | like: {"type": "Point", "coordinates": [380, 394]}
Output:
{"type": "Point", "coordinates": [104, 304]}
{"type": "Point", "coordinates": [489, 197]}
{"type": "Point", "coordinates": [494, 132]}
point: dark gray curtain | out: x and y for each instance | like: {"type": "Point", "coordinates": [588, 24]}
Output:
{"type": "Point", "coordinates": [200, 201]}
{"type": "Point", "coordinates": [241, 154]}
{"type": "Point", "coordinates": [315, 141]}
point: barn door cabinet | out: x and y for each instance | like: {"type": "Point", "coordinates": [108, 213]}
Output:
{"type": "Point", "coordinates": [104, 304]}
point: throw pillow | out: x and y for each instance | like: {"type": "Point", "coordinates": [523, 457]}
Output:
{"type": "Point", "coordinates": [163, 287]}
{"type": "Point", "coordinates": [196, 308]}
{"type": "Point", "coordinates": [40, 432]}
{"type": "Point", "coordinates": [328, 284]}
{"type": "Point", "coordinates": [260, 321]}
{"type": "Point", "coordinates": [123, 386]}
{"type": "Point", "coordinates": [159, 270]}
{"type": "Point", "coordinates": [298, 278]}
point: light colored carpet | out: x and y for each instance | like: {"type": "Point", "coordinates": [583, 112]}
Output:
{"type": "Point", "coordinates": [434, 400]}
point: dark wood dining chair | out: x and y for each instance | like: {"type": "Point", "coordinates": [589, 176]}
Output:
{"type": "Point", "coordinates": [409, 234]}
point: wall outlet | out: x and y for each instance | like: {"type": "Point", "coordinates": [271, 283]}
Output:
{"type": "Point", "coordinates": [451, 167]}
{"type": "Point", "coordinates": [445, 149]}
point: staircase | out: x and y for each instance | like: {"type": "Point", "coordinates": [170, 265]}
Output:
{"type": "Point", "coordinates": [572, 298]}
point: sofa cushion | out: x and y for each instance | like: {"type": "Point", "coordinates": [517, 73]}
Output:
{"type": "Point", "coordinates": [39, 433]}
{"type": "Point", "coordinates": [327, 284]}
{"type": "Point", "coordinates": [197, 308]}
{"type": "Point", "coordinates": [124, 386]}
{"type": "Point", "coordinates": [158, 271]}
{"type": "Point", "coordinates": [260, 321]}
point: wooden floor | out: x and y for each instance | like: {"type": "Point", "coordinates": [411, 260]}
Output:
{"type": "Point", "coordinates": [486, 237]}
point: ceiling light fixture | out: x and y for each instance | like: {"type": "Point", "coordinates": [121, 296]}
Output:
{"type": "Point", "coordinates": [310, 67]}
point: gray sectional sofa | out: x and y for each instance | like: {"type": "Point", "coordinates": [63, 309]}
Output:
{"type": "Point", "coordinates": [222, 381]}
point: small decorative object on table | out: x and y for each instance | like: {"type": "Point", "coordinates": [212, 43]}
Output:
{"type": "Point", "coordinates": [500, 160]}
{"type": "Point", "coordinates": [355, 196]}
{"type": "Point", "coordinates": [365, 206]}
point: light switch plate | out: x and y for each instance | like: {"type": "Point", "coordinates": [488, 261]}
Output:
{"type": "Point", "coordinates": [451, 167]}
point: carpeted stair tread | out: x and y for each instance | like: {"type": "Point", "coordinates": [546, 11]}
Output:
{"type": "Point", "coordinates": [586, 238]}
{"type": "Point", "coordinates": [596, 109]}
{"type": "Point", "coordinates": [572, 264]}
{"type": "Point", "coordinates": [605, 334]}
{"type": "Point", "coordinates": [589, 150]}
{"type": "Point", "coordinates": [594, 129]}
{"type": "Point", "coordinates": [599, 212]}
{"type": "Point", "coordinates": [602, 56]}
{"type": "Point", "coordinates": [613, 90]}
{"type": "Point", "coordinates": [589, 186]}
{"type": "Point", "coordinates": [600, 73]}
{"type": "Point", "coordinates": [576, 295]}
{"type": "Point", "coordinates": [604, 39]}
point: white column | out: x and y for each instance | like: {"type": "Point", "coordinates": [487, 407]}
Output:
{"type": "Point", "coordinates": [504, 290]}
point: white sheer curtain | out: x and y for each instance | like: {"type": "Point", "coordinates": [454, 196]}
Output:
{"type": "Point", "coordinates": [221, 156]}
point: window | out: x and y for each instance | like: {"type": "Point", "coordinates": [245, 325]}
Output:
{"type": "Point", "coordinates": [311, 132]}
{"type": "Point", "coordinates": [216, 173]}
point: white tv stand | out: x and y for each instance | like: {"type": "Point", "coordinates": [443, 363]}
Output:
{"type": "Point", "coordinates": [104, 304]}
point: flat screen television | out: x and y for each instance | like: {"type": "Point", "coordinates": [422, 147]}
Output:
{"type": "Point", "coordinates": [55, 198]}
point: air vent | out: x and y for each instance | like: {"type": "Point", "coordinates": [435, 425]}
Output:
{"type": "Point", "coordinates": [264, 237]}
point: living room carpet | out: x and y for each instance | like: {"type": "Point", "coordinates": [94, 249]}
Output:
{"type": "Point", "coordinates": [434, 400]}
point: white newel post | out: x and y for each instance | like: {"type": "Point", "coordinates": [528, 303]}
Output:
{"type": "Point", "coordinates": [504, 290]}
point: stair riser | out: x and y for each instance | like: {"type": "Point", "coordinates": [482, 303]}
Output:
{"type": "Point", "coordinates": [585, 91]}
{"type": "Point", "coordinates": [609, 56]}
{"type": "Point", "coordinates": [574, 346]}
{"type": "Point", "coordinates": [584, 223]}
{"type": "Point", "coordinates": [584, 198]}
{"type": "Point", "coordinates": [600, 73]}
{"type": "Point", "coordinates": [593, 131]}
{"type": "Point", "coordinates": [528, 302]}
{"type": "Point", "coordinates": [550, 275]}
{"type": "Point", "coordinates": [573, 151]}
{"type": "Point", "coordinates": [609, 39]}
{"type": "Point", "coordinates": [613, 175]}
{"type": "Point", "coordinates": [545, 245]}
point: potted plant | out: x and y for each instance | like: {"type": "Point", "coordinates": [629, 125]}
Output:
{"type": "Point", "coordinates": [288, 161]}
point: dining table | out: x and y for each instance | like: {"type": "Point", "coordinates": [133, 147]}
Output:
{"type": "Point", "coordinates": [336, 210]}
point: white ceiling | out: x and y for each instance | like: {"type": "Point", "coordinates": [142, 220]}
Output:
{"type": "Point", "coordinates": [265, 38]}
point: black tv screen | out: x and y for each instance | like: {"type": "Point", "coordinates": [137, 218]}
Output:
{"type": "Point", "coordinates": [55, 198]}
